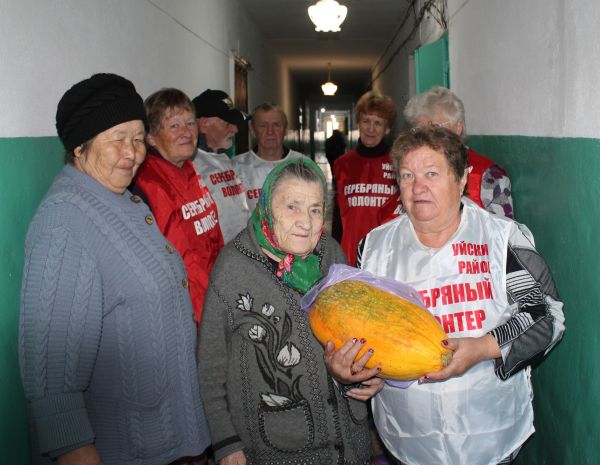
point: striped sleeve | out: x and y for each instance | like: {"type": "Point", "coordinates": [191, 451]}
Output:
{"type": "Point", "coordinates": [538, 322]}
{"type": "Point", "coordinates": [496, 192]}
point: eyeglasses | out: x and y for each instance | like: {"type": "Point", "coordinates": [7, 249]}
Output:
{"type": "Point", "coordinates": [436, 124]}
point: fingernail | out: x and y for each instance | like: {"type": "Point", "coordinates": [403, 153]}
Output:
{"type": "Point", "coordinates": [378, 369]}
{"type": "Point", "coordinates": [371, 351]}
{"type": "Point", "coordinates": [445, 342]}
{"type": "Point", "coordinates": [363, 340]}
{"type": "Point", "coordinates": [354, 340]}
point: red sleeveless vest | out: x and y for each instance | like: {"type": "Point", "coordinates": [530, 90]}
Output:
{"type": "Point", "coordinates": [186, 214]}
{"type": "Point", "coordinates": [480, 165]}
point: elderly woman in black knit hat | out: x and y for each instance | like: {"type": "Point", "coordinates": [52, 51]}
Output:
{"type": "Point", "coordinates": [106, 335]}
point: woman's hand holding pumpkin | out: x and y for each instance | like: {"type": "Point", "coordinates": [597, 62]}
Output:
{"type": "Point", "coordinates": [367, 389]}
{"type": "Point", "coordinates": [467, 352]}
{"type": "Point", "coordinates": [345, 367]}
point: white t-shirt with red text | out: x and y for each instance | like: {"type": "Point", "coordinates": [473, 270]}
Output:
{"type": "Point", "coordinates": [253, 171]}
{"type": "Point", "coordinates": [224, 184]}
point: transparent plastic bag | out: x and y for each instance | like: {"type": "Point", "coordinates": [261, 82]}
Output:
{"type": "Point", "coordinates": [339, 273]}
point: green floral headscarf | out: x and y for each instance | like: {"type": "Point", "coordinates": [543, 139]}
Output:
{"type": "Point", "coordinates": [297, 272]}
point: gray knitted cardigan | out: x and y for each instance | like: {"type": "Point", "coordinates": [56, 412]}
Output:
{"type": "Point", "coordinates": [107, 340]}
{"type": "Point", "coordinates": [264, 384]}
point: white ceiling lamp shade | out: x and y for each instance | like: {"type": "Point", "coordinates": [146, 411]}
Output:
{"type": "Point", "coordinates": [327, 15]}
{"type": "Point", "coordinates": [329, 88]}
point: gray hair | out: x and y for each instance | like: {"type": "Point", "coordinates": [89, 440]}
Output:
{"type": "Point", "coordinates": [267, 106]}
{"type": "Point", "coordinates": [436, 100]}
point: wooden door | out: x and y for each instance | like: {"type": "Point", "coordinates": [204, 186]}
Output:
{"type": "Point", "coordinates": [241, 103]}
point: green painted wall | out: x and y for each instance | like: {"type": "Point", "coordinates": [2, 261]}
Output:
{"type": "Point", "coordinates": [431, 65]}
{"type": "Point", "coordinates": [27, 167]}
{"type": "Point", "coordinates": [556, 189]}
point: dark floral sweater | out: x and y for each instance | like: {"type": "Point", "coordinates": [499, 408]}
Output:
{"type": "Point", "coordinates": [264, 384]}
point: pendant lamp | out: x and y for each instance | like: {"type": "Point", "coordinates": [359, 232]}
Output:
{"type": "Point", "coordinates": [329, 88]}
{"type": "Point", "coordinates": [327, 15]}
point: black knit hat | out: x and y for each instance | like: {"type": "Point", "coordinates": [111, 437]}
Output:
{"type": "Point", "coordinates": [218, 103]}
{"type": "Point", "coordinates": [95, 105]}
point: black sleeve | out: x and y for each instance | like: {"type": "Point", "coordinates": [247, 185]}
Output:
{"type": "Point", "coordinates": [336, 221]}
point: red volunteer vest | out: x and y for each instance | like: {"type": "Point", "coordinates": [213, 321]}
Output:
{"type": "Point", "coordinates": [364, 184]}
{"type": "Point", "coordinates": [186, 214]}
{"type": "Point", "coordinates": [480, 165]}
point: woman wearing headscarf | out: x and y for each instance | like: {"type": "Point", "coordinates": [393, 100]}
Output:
{"type": "Point", "coordinates": [480, 275]}
{"type": "Point", "coordinates": [184, 208]}
{"type": "Point", "coordinates": [106, 339]}
{"type": "Point", "coordinates": [268, 394]}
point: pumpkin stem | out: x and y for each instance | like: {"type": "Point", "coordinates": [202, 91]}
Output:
{"type": "Point", "coordinates": [446, 359]}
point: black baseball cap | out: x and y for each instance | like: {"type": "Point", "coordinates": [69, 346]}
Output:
{"type": "Point", "coordinates": [218, 103]}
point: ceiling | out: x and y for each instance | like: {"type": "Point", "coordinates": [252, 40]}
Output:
{"type": "Point", "coordinates": [352, 52]}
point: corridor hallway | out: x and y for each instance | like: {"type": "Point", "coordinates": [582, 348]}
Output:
{"type": "Point", "coordinates": [329, 201]}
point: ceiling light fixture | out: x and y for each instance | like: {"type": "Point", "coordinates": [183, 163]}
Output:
{"type": "Point", "coordinates": [329, 88]}
{"type": "Point", "coordinates": [327, 15]}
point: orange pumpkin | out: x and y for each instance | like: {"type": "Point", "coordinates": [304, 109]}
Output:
{"type": "Point", "coordinates": [407, 340]}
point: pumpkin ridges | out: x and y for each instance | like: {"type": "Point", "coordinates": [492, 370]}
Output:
{"type": "Point", "coordinates": [355, 309]}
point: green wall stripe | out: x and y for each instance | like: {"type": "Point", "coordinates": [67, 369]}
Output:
{"type": "Point", "coordinates": [27, 167]}
{"type": "Point", "coordinates": [556, 189]}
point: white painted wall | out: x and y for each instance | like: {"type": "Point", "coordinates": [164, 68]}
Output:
{"type": "Point", "coordinates": [527, 67]}
{"type": "Point", "coordinates": [521, 67]}
{"type": "Point", "coordinates": [398, 80]}
{"type": "Point", "coordinates": [47, 46]}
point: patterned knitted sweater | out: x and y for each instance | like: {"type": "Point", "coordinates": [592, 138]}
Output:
{"type": "Point", "coordinates": [106, 332]}
{"type": "Point", "coordinates": [265, 388]}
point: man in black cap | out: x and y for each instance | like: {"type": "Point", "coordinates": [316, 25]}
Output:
{"type": "Point", "coordinates": [218, 123]}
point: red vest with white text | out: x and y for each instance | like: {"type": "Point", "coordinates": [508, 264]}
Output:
{"type": "Point", "coordinates": [186, 214]}
{"type": "Point", "coordinates": [364, 184]}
